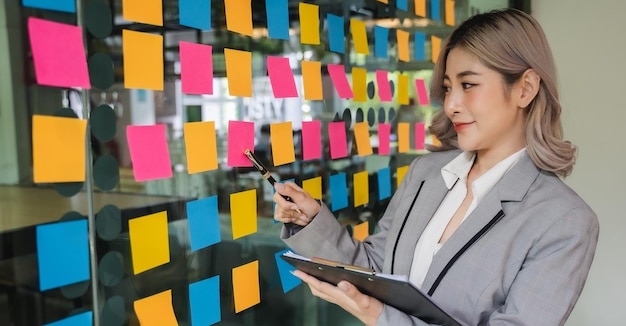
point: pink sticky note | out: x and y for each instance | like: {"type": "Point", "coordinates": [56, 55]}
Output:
{"type": "Point", "coordinates": [384, 134]}
{"type": "Point", "coordinates": [58, 54]}
{"type": "Point", "coordinates": [196, 68]}
{"type": "Point", "coordinates": [311, 140]}
{"type": "Point", "coordinates": [420, 134]}
{"type": "Point", "coordinates": [338, 140]}
{"type": "Point", "coordinates": [240, 138]}
{"type": "Point", "coordinates": [281, 77]}
{"type": "Point", "coordinates": [340, 80]}
{"type": "Point", "coordinates": [384, 88]}
{"type": "Point", "coordinates": [422, 94]}
{"type": "Point", "coordinates": [149, 153]}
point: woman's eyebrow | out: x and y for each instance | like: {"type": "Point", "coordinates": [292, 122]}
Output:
{"type": "Point", "coordinates": [463, 74]}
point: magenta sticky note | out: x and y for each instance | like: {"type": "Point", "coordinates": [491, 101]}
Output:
{"type": "Point", "coordinates": [240, 138]}
{"type": "Point", "coordinates": [420, 135]}
{"type": "Point", "coordinates": [196, 68]}
{"type": "Point", "coordinates": [338, 140]}
{"type": "Point", "coordinates": [422, 94]}
{"type": "Point", "coordinates": [281, 77]}
{"type": "Point", "coordinates": [149, 152]}
{"type": "Point", "coordinates": [384, 88]}
{"type": "Point", "coordinates": [384, 134]}
{"type": "Point", "coordinates": [58, 54]}
{"type": "Point", "coordinates": [311, 140]}
{"type": "Point", "coordinates": [340, 80]}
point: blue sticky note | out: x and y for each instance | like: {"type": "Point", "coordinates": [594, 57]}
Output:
{"type": "Point", "coordinates": [381, 39]}
{"type": "Point", "coordinates": [204, 301]}
{"type": "Point", "coordinates": [62, 253]}
{"type": "Point", "coordinates": [287, 280]}
{"type": "Point", "coordinates": [195, 13]}
{"type": "Point", "coordinates": [82, 319]}
{"type": "Point", "coordinates": [58, 5]}
{"type": "Point", "coordinates": [435, 10]}
{"type": "Point", "coordinates": [277, 19]}
{"type": "Point", "coordinates": [204, 222]}
{"type": "Point", "coordinates": [384, 183]}
{"type": "Point", "coordinates": [338, 191]}
{"type": "Point", "coordinates": [336, 33]}
{"type": "Point", "coordinates": [402, 4]}
{"type": "Point", "coordinates": [420, 39]}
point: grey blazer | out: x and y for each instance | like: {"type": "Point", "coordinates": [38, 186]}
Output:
{"type": "Point", "coordinates": [520, 258]}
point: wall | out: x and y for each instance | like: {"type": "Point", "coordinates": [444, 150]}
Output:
{"type": "Point", "coordinates": [588, 44]}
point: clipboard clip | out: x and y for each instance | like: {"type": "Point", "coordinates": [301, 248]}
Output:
{"type": "Point", "coordinates": [352, 268]}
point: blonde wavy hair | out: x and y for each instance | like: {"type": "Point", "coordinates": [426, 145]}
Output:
{"type": "Point", "coordinates": [510, 42]}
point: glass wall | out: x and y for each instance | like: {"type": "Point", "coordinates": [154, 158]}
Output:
{"type": "Point", "coordinates": [125, 197]}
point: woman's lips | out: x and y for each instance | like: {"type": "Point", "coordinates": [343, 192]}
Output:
{"type": "Point", "coordinates": [461, 125]}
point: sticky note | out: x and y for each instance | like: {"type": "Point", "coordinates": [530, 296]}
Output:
{"type": "Point", "coordinates": [204, 222]}
{"type": "Point", "coordinates": [58, 5]}
{"type": "Point", "coordinates": [435, 10]}
{"type": "Point", "coordinates": [359, 84]}
{"type": "Point", "coordinates": [338, 139]}
{"type": "Point", "coordinates": [204, 301]}
{"type": "Point", "coordinates": [400, 173]}
{"type": "Point", "coordinates": [281, 77]}
{"type": "Point", "coordinates": [384, 183]}
{"type": "Point", "coordinates": [418, 41]}
{"type": "Point", "coordinates": [338, 191]}
{"type": "Point", "coordinates": [58, 54]}
{"type": "Point", "coordinates": [239, 16]}
{"type": "Point", "coordinates": [403, 89]}
{"type": "Point", "coordinates": [243, 213]}
{"type": "Point", "coordinates": [246, 288]}
{"type": "Point", "coordinates": [143, 60]}
{"type": "Point", "coordinates": [435, 141]}
{"type": "Point", "coordinates": [277, 13]}
{"type": "Point", "coordinates": [311, 140]}
{"type": "Point", "coordinates": [313, 187]}
{"type": "Point", "coordinates": [420, 8]}
{"type": "Point", "coordinates": [336, 32]}
{"type": "Point", "coordinates": [287, 280]}
{"type": "Point", "coordinates": [309, 23]}
{"type": "Point", "coordinates": [196, 68]}
{"type": "Point", "coordinates": [361, 231]}
{"type": "Point", "coordinates": [58, 149]}
{"type": "Point", "coordinates": [384, 138]}
{"type": "Point", "coordinates": [381, 39]}
{"type": "Point", "coordinates": [435, 47]}
{"type": "Point", "coordinates": [143, 11]}
{"type": "Point", "coordinates": [402, 5]}
{"type": "Point", "coordinates": [402, 39]}
{"type": "Point", "coordinates": [312, 80]}
{"type": "Point", "coordinates": [384, 88]}
{"type": "Point", "coordinates": [195, 14]}
{"type": "Point", "coordinates": [282, 143]}
{"type": "Point", "coordinates": [156, 309]}
{"type": "Point", "coordinates": [362, 137]}
{"type": "Point", "coordinates": [450, 12]}
{"type": "Point", "coordinates": [383, 1]}
{"type": "Point", "coordinates": [361, 188]}
{"type": "Point", "coordinates": [420, 135]}
{"type": "Point", "coordinates": [340, 80]}
{"type": "Point", "coordinates": [240, 138]}
{"type": "Point", "coordinates": [149, 152]}
{"type": "Point", "coordinates": [62, 253]}
{"type": "Point", "coordinates": [82, 319]}
{"type": "Point", "coordinates": [359, 36]}
{"type": "Point", "coordinates": [200, 146]}
{"type": "Point", "coordinates": [149, 241]}
{"type": "Point", "coordinates": [239, 72]}
{"type": "Point", "coordinates": [422, 93]}
{"type": "Point", "coordinates": [403, 137]}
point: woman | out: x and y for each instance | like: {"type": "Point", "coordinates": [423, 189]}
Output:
{"type": "Point", "coordinates": [483, 224]}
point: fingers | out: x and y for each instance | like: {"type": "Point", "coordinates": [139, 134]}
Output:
{"type": "Point", "coordinates": [300, 210]}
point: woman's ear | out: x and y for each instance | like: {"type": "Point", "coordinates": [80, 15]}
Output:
{"type": "Point", "coordinates": [530, 83]}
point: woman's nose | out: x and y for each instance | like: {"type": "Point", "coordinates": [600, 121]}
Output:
{"type": "Point", "coordinates": [452, 102]}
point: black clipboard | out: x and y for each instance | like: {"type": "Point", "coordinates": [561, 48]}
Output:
{"type": "Point", "coordinates": [389, 289]}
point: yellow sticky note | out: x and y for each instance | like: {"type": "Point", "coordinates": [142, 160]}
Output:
{"type": "Point", "coordinates": [143, 60]}
{"type": "Point", "coordinates": [246, 289]}
{"type": "Point", "coordinates": [359, 84]}
{"type": "Point", "coordinates": [362, 137]}
{"type": "Point", "coordinates": [143, 11]}
{"type": "Point", "coordinates": [282, 143]}
{"type": "Point", "coordinates": [156, 309]}
{"type": "Point", "coordinates": [420, 8]}
{"type": "Point", "coordinates": [435, 141]}
{"type": "Point", "coordinates": [435, 47]}
{"type": "Point", "coordinates": [58, 149]}
{"type": "Point", "coordinates": [403, 137]}
{"type": "Point", "coordinates": [359, 36]}
{"type": "Point", "coordinates": [400, 173]}
{"type": "Point", "coordinates": [383, 1]}
{"type": "Point", "coordinates": [361, 188]}
{"type": "Point", "coordinates": [313, 186]}
{"type": "Point", "coordinates": [403, 89]}
{"type": "Point", "coordinates": [149, 241]}
{"type": "Point", "coordinates": [243, 213]}
{"type": "Point", "coordinates": [361, 231]}
{"type": "Point", "coordinates": [403, 45]}
{"type": "Point", "coordinates": [309, 23]}
{"type": "Point", "coordinates": [450, 12]}
{"type": "Point", "coordinates": [239, 72]}
{"type": "Point", "coordinates": [312, 80]}
{"type": "Point", "coordinates": [200, 146]}
{"type": "Point", "coordinates": [239, 16]}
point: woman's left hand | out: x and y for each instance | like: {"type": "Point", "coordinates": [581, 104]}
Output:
{"type": "Point", "coordinates": [347, 296]}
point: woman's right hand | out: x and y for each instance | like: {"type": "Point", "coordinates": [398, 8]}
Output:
{"type": "Point", "coordinates": [301, 210]}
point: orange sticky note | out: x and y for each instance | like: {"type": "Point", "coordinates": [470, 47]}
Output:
{"type": "Point", "coordinates": [58, 149]}
{"type": "Point", "coordinates": [400, 173]}
{"type": "Point", "coordinates": [384, 1]}
{"type": "Point", "coordinates": [361, 188]}
{"type": "Point", "coordinates": [282, 143]}
{"type": "Point", "coordinates": [143, 60]}
{"type": "Point", "coordinates": [403, 89]}
{"type": "Point", "coordinates": [149, 241]}
{"type": "Point", "coordinates": [362, 137]}
{"type": "Point", "coordinates": [156, 309]}
{"type": "Point", "coordinates": [403, 137]}
{"type": "Point", "coordinates": [200, 146]}
{"type": "Point", "coordinates": [246, 289]}
{"type": "Point", "coordinates": [243, 213]}
{"type": "Point", "coordinates": [309, 23]}
{"type": "Point", "coordinates": [239, 72]}
{"type": "Point", "coordinates": [239, 16]}
{"type": "Point", "coordinates": [420, 8]}
{"type": "Point", "coordinates": [435, 47]}
{"type": "Point", "coordinates": [143, 11]}
{"type": "Point", "coordinates": [450, 12]}
{"type": "Point", "coordinates": [359, 36]}
{"type": "Point", "coordinates": [359, 84]}
{"type": "Point", "coordinates": [435, 141]}
{"type": "Point", "coordinates": [312, 80]}
{"type": "Point", "coordinates": [403, 45]}
{"type": "Point", "coordinates": [361, 231]}
{"type": "Point", "coordinates": [313, 186]}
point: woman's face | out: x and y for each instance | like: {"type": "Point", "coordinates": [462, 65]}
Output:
{"type": "Point", "coordinates": [475, 101]}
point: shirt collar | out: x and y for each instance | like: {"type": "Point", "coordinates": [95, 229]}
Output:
{"type": "Point", "coordinates": [458, 168]}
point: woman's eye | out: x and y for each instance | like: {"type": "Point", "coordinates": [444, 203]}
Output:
{"type": "Point", "coordinates": [446, 89]}
{"type": "Point", "coordinates": [467, 85]}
